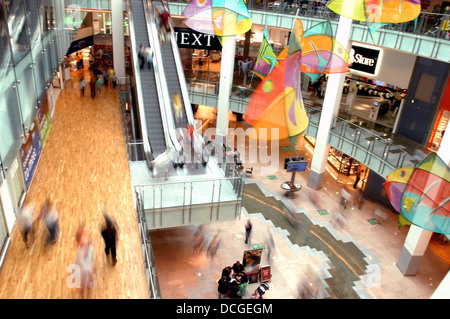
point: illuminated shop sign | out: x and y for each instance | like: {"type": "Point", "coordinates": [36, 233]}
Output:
{"type": "Point", "coordinates": [190, 39]}
{"type": "Point", "coordinates": [364, 59]}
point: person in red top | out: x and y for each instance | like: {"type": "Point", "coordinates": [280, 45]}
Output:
{"type": "Point", "coordinates": [164, 16]}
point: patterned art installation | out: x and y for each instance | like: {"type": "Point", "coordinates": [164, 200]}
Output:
{"type": "Point", "coordinates": [277, 101]}
{"type": "Point", "coordinates": [422, 195]}
{"type": "Point", "coordinates": [377, 13]}
{"type": "Point", "coordinates": [223, 18]}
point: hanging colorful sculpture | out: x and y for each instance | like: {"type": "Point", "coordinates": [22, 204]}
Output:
{"type": "Point", "coordinates": [425, 198]}
{"type": "Point", "coordinates": [218, 17]}
{"type": "Point", "coordinates": [266, 60]}
{"type": "Point", "coordinates": [277, 101]}
{"type": "Point", "coordinates": [377, 13]}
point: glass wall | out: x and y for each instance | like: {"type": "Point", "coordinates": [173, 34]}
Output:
{"type": "Point", "coordinates": [34, 36]}
{"type": "Point", "coordinates": [3, 230]}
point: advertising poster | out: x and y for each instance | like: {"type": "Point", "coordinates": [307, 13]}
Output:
{"type": "Point", "coordinates": [265, 273]}
{"type": "Point", "coordinates": [50, 105]}
{"type": "Point", "coordinates": [251, 263]}
{"type": "Point", "coordinates": [30, 152]}
{"type": "Point", "coordinates": [44, 119]}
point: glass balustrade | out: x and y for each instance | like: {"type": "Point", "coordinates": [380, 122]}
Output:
{"type": "Point", "coordinates": [193, 192]}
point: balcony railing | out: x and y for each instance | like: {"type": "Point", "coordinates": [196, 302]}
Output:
{"type": "Point", "coordinates": [434, 25]}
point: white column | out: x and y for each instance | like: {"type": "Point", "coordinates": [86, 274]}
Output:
{"type": "Point", "coordinates": [443, 290]}
{"type": "Point", "coordinates": [418, 238]}
{"type": "Point", "coordinates": [416, 244]}
{"type": "Point", "coordinates": [117, 36]}
{"type": "Point", "coordinates": [225, 85]}
{"type": "Point", "coordinates": [330, 107]}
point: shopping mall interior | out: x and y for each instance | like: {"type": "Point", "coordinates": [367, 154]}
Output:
{"type": "Point", "coordinates": [326, 231]}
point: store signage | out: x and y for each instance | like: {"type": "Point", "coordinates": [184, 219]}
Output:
{"type": "Point", "coordinates": [364, 59]}
{"type": "Point", "coordinates": [265, 273]}
{"type": "Point", "coordinates": [30, 152]}
{"type": "Point", "coordinates": [190, 39]}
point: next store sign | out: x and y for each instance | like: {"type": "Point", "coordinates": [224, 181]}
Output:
{"type": "Point", "coordinates": [190, 39]}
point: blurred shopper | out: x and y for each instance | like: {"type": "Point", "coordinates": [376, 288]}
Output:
{"type": "Point", "coordinates": [213, 245]}
{"type": "Point", "coordinates": [114, 80]}
{"type": "Point", "coordinates": [98, 84]}
{"type": "Point", "coordinates": [242, 280]}
{"type": "Point", "coordinates": [149, 57]}
{"type": "Point", "coordinates": [199, 239]}
{"type": "Point", "coordinates": [82, 86]}
{"type": "Point", "coordinates": [110, 236]}
{"type": "Point", "coordinates": [92, 86]}
{"type": "Point", "coordinates": [49, 214]}
{"type": "Point", "coordinates": [270, 245]}
{"type": "Point", "coordinates": [26, 223]}
{"type": "Point", "coordinates": [110, 73]}
{"type": "Point", "coordinates": [105, 77]}
{"type": "Point", "coordinates": [223, 287]}
{"type": "Point", "coordinates": [359, 174]}
{"type": "Point", "coordinates": [248, 231]}
{"type": "Point", "coordinates": [141, 56]}
{"type": "Point", "coordinates": [85, 259]}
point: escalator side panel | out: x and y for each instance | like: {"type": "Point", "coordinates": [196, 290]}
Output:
{"type": "Point", "coordinates": [152, 116]}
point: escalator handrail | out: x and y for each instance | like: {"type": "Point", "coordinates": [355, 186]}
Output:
{"type": "Point", "coordinates": [136, 71]}
{"type": "Point", "coordinates": [161, 83]}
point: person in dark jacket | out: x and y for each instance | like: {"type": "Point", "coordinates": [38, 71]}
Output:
{"type": "Point", "coordinates": [223, 288]}
{"type": "Point", "coordinates": [109, 234]}
{"type": "Point", "coordinates": [237, 267]}
{"type": "Point", "coordinates": [226, 271]}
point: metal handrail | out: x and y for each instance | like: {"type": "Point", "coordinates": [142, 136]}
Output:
{"type": "Point", "coordinates": [153, 284]}
{"type": "Point", "coordinates": [134, 57]}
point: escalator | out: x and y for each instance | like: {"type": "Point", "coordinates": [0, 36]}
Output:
{"type": "Point", "coordinates": [172, 75]}
{"type": "Point", "coordinates": [147, 94]}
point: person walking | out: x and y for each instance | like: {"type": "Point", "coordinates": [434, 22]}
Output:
{"type": "Point", "coordinates": [105, 77]}
{"type": "Point", "coordinates": [149, 57]}
{"type": "Point", "coordinates": [358, 177]}
{"type": "Point", "coordinates": [98, 85]}
{"type": "Point", "coordinates": [50, 216]}
{"type": "Point", "coordinates": [114, 80]}
{"type": "Point", "coordinates": [52, 222]}
{"type": "Point", "coordinates": [141, 56]}
{"type": "Point", "coordinates": [81, 86]}
{"type": "Point", "coordinates": [109, 234]}
{"type": "Point", "coordinates": [248, 231]}
{"type": "Point", "coordinates": [85, 259]}
{"type": "Point", "coordinates": [26, 223]}
{"type": "Point", "coordinates": [92, 87]}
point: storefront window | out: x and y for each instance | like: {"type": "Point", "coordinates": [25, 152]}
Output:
{"type": "Point", "coordinates": [10, 124]}
{"type": "Point", "coordinates": [16, 182]}
{"type": "Point", "coordinates": [26, 90]}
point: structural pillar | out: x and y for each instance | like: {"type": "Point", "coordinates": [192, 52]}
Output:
{"type": "Point", "coordinates": [418, 238]}
{"type": "Point", "coordinates": [415, 245]}
{"type": "Point", "coordinates": [330, 108]}
{"type": "Point", "coordinates": [118, 38]}
{"type": "Point", "coordinates": [225, 85]}
{"type": "Point", "coordinates": [443, 290]}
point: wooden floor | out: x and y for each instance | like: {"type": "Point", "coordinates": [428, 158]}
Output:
{"type": "Point", "coordinates": [84, 168]}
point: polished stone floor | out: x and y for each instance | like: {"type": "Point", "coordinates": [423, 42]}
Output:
{"type": "Point", "coordinates": [350, 253]}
